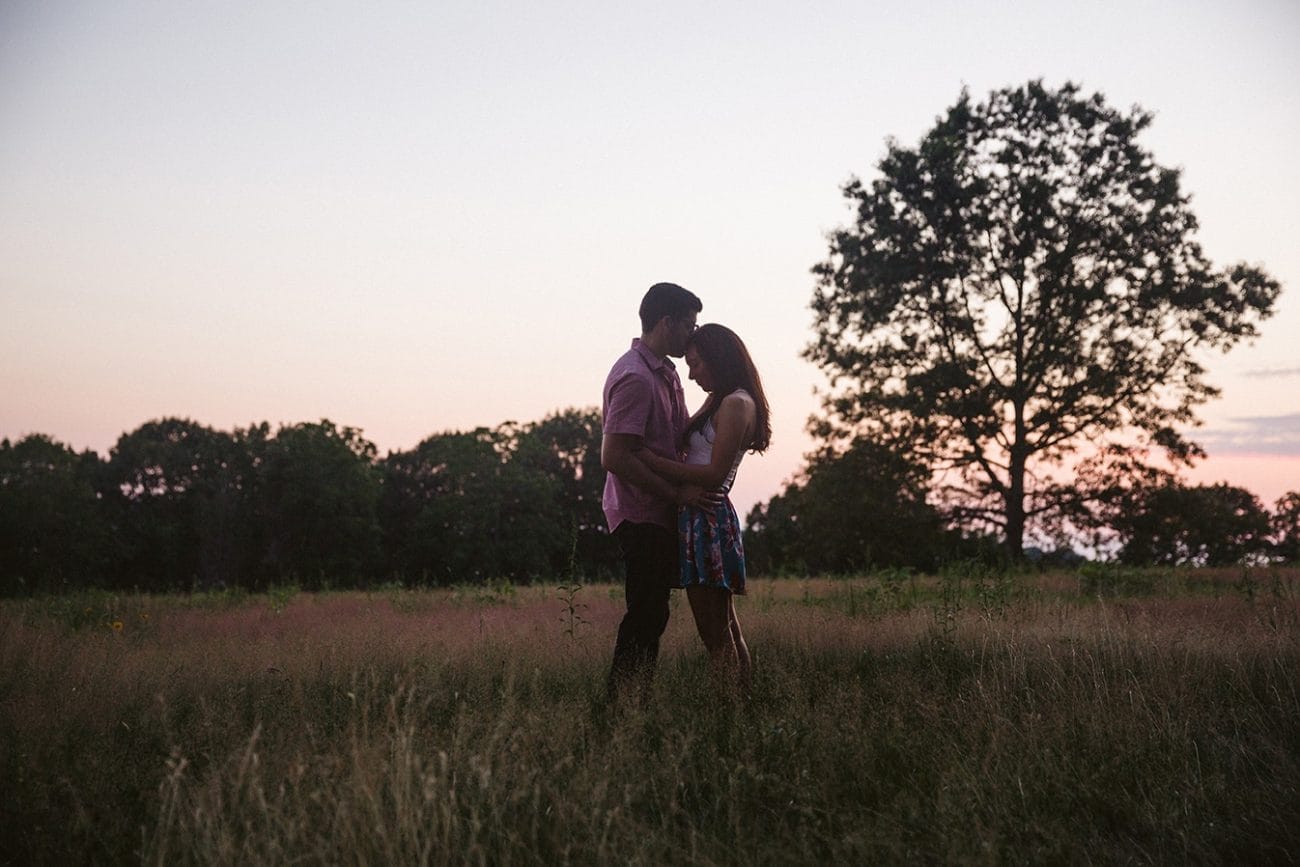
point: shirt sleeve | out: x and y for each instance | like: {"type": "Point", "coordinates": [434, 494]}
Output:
{"type": "Point", "coordinates": [627, 410]}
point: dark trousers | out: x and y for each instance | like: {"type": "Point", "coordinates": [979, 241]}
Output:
{"type": "Point", "coordinates": [650, 563]}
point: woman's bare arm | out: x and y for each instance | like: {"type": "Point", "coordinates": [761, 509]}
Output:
{"type": "Point", "coordinates": [733, 425]}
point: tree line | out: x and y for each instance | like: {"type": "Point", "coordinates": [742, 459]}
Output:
{"type": "Point", "coordinates": [180, 505]}
{"type": "Point", "coordinates": [870, 506]}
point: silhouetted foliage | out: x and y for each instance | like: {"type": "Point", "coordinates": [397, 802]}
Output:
{"type": "Point", "coordinates": [173, 488]}
{"type": "Point", "coordinates": [1203, 525]}
{"type": "Point", "coordinates": [449, 508]}
{"type": "Point", "coordinates": [516, 502]}
{"type": "Point", "coordinates": [317, 497]}
{"type": "Point", "coordinates": [1285, 522]}
{"type": "Point", "coordinates": [853, 510]}
{"type": "Point", "coordinates": [566, 446]}
{"type": "Point", "coordinates": [179, 505]}
{"type": "Point", "coordinates": [53, 532]}
{"type": "Point", "coordinates": [1020, 287]}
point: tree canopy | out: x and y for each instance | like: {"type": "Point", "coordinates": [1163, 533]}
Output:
{"type": "Point", "coordinates": [179, 505]}
{"type": "Point", "coordinates": [1285, 524]}
{"type": "Point", "coordinates": [1020, 292]}
{"type": "Point", "coordinates": [852, 510]}
{"type": "Point", "coordinates": [52, 531]}
{"type": "Point", "coordinates": [1203, 525]}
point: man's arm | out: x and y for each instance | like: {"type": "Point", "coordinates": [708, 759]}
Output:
{"type": "Point", "coordinates": [616, 456]}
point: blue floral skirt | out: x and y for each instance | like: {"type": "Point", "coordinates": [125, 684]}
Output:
{"type": "Point", "coordinates": [712, 553]}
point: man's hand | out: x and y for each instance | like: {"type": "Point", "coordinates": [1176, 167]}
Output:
{"type": "Point", "coordinates": [618, 455]}
{"type": "Point", "coordinates": [700, 498]}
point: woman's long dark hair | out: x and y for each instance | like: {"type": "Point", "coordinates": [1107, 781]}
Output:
{"type": "Point", "coordinates": [732, 368]}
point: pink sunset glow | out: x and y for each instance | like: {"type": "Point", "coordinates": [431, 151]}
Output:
{"type": "Point", "coordinates": [436, 218]}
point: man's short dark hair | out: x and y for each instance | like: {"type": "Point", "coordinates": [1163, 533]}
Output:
{"type": "Point", "coordinates": [667, 299]}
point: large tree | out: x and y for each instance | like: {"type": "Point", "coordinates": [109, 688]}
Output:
{"type": "Point", "coordinates": [1020, 291]}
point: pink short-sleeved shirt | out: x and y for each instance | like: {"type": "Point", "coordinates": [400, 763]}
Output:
{"type": "Point", "coordinates": [643, 396]}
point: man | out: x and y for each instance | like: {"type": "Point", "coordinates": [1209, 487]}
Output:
{"type": "Point", "coordinates": [644, 407]}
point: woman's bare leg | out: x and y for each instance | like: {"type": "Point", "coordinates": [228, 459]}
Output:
{"type": "Point", "coordinates": [711, 607]}
{"type": "Point", "coordinates": [744, 666]}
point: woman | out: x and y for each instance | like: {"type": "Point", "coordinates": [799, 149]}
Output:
{"type": "Point", "coordinates": [733, 420]}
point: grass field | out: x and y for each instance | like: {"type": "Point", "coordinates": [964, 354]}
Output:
{"type": "Point", "coordinates": [1107, 716]}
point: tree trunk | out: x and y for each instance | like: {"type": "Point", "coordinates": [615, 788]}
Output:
{"type": "Point", "coordinates": [1015, 506]}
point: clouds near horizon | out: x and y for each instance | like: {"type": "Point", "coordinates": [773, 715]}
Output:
{"type": "Point", "coordinates": [1277, 435]}
{"type": "Point", "coordinates": [1272, 372]}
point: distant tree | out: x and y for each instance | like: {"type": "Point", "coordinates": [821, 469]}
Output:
{"type": "Point", "coordinates": [174, 490]}
{"type": "Point", "coordinates": [535, 524]}
{"type": "Point", "coordinates": [772, 536]}
{"type": "Point", "coordinates": [317, 497]}
{"type": "Point", "coordinates": [436, 507]}
{"type": "Point", "coordinates": [565, 446]}
{"type": "Point", "coordinates": [861, 508]}
{"type": "Point", "coordinates": [464, 506]}
{"type": "Point", "coordinates": [53, 533]}
{"type": "Point", "coordinates": [1285, 523]}
{"type": "Point", "coordinates": [1203, 525]}
{"type": "Point", "coordinates": [1020, 290]}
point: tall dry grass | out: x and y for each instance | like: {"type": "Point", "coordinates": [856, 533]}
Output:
{"type": "Point", "coordinates": [892, 719]}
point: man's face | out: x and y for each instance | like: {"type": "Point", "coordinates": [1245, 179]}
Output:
{"type": "Point", "coordinates": [679, 331]}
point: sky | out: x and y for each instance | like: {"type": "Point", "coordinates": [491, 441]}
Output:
{"type": "Point", "coordinates": [414, 217]}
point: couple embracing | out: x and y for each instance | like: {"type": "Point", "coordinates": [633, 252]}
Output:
{"type": "Point", "coordinates": [669, 473]}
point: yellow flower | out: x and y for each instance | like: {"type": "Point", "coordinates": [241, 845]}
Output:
{"type": "Point", "coordinates": [144, 615]}
{"type": "Point", "coordinates": [117, 625]}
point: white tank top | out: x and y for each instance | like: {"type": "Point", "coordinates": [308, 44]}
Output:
{"type": "Point", "coordinates": [699, 449]}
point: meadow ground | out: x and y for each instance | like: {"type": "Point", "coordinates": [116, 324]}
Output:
{"type": "Point", "coordinates": [1106, 716]}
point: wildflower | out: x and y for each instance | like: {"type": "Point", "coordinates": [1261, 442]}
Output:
{"type": "Point", "coordinates": [144, 616]}
{"type": "Point", "coordinates": [117, 625]}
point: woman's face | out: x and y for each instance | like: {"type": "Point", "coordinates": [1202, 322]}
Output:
{"type": "Point", "coordinates": [699, 369]}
